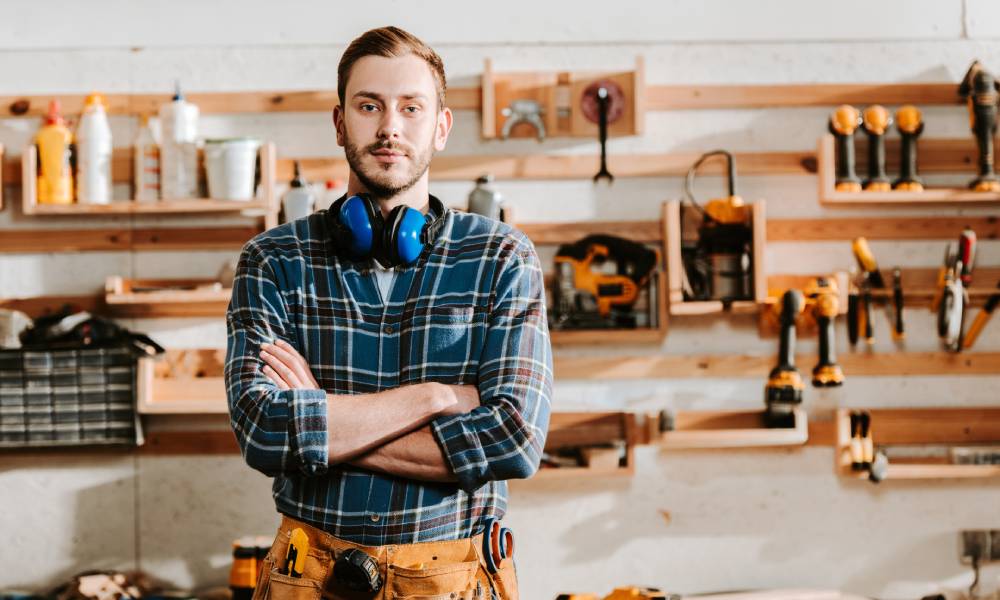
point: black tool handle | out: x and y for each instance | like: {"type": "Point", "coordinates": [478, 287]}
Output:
{"type": "Point", "coordinates": [602, 127]}
{"type": "Point", "coordinates": [908, 159]}
{"type": "Point", "coordinates": [984, 112]}
{"type": "Point", "coordinates": [852, 317]}
{"type": "Point", "coordinates": [786, 343]}
{"type": "Point", "coordinates": [897, 302]}
{"type": "Point", "coordinates": [845, 159]}
{"type": "Point", "coordinates": [827, 354]}
{"type": "Point", "coordinates": [876, 158]}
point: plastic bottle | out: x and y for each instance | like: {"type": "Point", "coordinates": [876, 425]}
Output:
{"type": "Point", "coordinates": [484, 199]}
{"type": "Point", "coordinates": [146, 167]}
{"type": "Point", "coordinates": [179, 152]}
{"type": "Point", "coordinates": [55, 147]}
{"type": "Point", "coordinates": [93, 150]}
{"type": "Point", "coordinates": [298, 201]}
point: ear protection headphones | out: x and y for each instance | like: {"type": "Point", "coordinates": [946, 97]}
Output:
{"type": "Point", "coordinates": [360, 230]}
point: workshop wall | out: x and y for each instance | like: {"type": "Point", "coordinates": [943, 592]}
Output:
{"type": "Point", "coordinates": [687, 521]}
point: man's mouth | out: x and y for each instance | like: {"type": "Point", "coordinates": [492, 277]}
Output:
{"type": "Point", "coordinates": [387, 155]}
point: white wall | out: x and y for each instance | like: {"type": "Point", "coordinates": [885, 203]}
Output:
{"type": "Point", "coordinates": [738, 519]}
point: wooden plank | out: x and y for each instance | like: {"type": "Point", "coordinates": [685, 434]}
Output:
{"type": "Point", "coordinates": [189, 443]}
{"type": "Point", "coordinates": [1, 175]}
{"type": "Point", "coordinates": [881, 228]}
{"type": "Point", "coordinates": [42, 305]}
{"type": "Point", "coordinates": [644, 232]}
{"type": "Point", "coordinates": [105, 240]}
{"type": "Point", "coordinates": [656, 97]}
{"type": "Point", "coordinates": [675, 97]}
{"type": "Point", "coordinates": [740, 365]}
{"type": "Point", "coordinates": [732, 429]}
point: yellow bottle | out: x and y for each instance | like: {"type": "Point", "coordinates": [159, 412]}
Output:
{"type": "Point", "coordinates": [55, 177]}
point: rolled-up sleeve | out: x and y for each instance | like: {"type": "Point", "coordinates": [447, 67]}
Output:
{"type": "Point", "coordinates": [503, 438]}
{"type": "Point", "coordinates": [278, 431]}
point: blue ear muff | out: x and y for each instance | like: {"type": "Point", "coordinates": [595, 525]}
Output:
{"type": "Point", "coordinates": [409, 233]}
{"type": "Point", "coordinates": [356, 218]}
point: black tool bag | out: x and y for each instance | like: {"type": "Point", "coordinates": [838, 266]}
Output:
{"type": "Point", "coordinates": [73, 383]}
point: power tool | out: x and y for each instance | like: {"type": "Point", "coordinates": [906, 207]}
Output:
{"type": "Point", "coordinates": [821, 294]}
{"type": "Point", "coordinates": [980, 89]}
{"type": "Point", "coordinates": [589, 299]}
{"type": "Point", "coordinates": [719, 265]}
{"type": "Point", "coordinates": [625, 593]}
{"type": "Point", "coordinates": [843, 123]}
{"type": "Point", "coordinates": [783, 391]}
{"type": "Point", "coordinates": [876, 122]}
{"type": "Point", "coordinates": [910, 124]}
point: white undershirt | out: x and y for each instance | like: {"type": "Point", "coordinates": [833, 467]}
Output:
{"type": "Point", "coordinates": [385, 278]}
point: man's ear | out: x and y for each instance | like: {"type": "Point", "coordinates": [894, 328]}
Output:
{"type": "Point", "coordinates": [338, 124]}
{"type": "Point", "coordinates": [443, 128]}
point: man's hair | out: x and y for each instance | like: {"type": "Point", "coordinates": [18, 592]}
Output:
{"type": "Point", "coordinates": [389, 42]}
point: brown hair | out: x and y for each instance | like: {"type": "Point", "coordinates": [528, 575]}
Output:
{"type": "Point", "coordinates": [389, 42]}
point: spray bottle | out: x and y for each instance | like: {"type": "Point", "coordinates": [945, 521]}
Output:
{"type": "Point", "coordinates": [179, 152]}
{"type": "Point", "coordinates": [93, 147]}
{"type": "Point", "coordinates": [55, 148]}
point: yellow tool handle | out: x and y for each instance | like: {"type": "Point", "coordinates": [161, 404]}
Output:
{"type": "Point", "coordinates": [976, 328]}
{"type": "Point", "coordinates": [298, 548]}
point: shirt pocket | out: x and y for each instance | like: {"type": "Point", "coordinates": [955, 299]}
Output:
{"type": "Point", "coordinates": [451, 331]}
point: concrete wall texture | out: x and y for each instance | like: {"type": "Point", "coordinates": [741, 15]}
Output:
{"type": "Point", "coordinates": [739, 519]}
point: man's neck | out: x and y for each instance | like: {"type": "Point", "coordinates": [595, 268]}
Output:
{"type": "Point", "coordinates": [416, 197]}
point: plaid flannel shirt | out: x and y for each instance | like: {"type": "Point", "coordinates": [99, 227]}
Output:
{"type": "Point", "coordinates": [471, 310]}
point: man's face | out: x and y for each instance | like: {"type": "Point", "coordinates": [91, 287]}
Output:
{"type": "Point", "coordinates": [390, 125]}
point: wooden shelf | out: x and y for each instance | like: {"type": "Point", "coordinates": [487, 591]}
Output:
{"type": "Point", "coordinates": [266, 206]}
{"type": "Point", "coordinates": [826, 169]}
{"type": "Point", "coordinates": [186, 382]}
{"type": "Point", "coordinates": [657, 97]}
{"type": "Point", "coordinates": [922, 426]}
{"type": "Point", "coordinates": [727, 429]}
{"type": "Point", "coordinates": [1, 176]}
{"type": "Point", "coordinates": [120, 290]}
{"type": "Point", "coordinates": [108, 240]}
{"type": "Point", "coordinates": [674, 215]}
{"type": "Point", "coordinates": [597, 430]}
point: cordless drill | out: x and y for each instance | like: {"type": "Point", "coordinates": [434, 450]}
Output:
{"type": "Point", "coordinates": [979, 88]}
{"type": "Point", "coordinates": [843, 123]}
{"type": "Point", "coordinates": [822, 294]}
{"type": "Point", "coordinates": [783, 391]}
{"type": "Point", "coordinates": [876, 122]}
{"type": "Point", "coordinates": [910, 124]}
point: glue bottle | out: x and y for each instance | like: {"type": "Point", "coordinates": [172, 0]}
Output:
{"type": "Point", "coordinates": [93, 147]}
{"type": "Point", "coordinates": [55, 147]}
{"type": "Point", "coordinates": [179, 152]}
{"type": "Point", "coordinates": [298, 201]}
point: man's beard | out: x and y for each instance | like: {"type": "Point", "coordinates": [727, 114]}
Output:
{"type": "Point", "coordinates": [379, 183]}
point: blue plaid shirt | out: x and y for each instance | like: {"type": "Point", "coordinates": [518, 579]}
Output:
{"type": "Point", "coordinates": [471, 310]}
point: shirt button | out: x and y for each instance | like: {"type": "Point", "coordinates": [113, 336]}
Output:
{"type": "Point", "coordinates": [374, 518]}
{"type": "Point", "coordinates": [388, 329]}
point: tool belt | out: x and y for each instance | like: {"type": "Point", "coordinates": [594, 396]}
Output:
{"type": "Point", "coordinates": [453, 569]}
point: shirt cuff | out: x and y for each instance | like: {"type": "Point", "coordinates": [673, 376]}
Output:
{"type": "Point", "coordinates": [307, 430]}
{"type": "Point", "coordinates": [462, 451]}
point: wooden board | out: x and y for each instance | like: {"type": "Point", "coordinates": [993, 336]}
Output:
{"type": "Point", "coordinates": [741, 365]}
{"type": "Point", "coordinates": [104, 240]}
{"type": "Point", "coordinates": [880, 228]}
{"type": "Point", "coordinates": [1, 175]}
{"type": "Point", "coordinates": [952, 156]}
{"type": "Point", "coordinates": [182, 382]}
{"type": "Point", "coordinates": [126, 291]}
{"type": "Point", "coordinates": [731, 429]}
{"type": "Point", "coordinates": [923, 426]}
{"type": "Point", "coordinates": [543, 234]}
{"type": "Point", "coordinates": [656, 97]}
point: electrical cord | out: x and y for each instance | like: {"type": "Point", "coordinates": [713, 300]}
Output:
{"type": "Point", "coordinates": [689, 179]}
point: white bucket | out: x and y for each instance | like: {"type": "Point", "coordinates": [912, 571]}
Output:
{"type": "Point", "coordinates": [230, 167]}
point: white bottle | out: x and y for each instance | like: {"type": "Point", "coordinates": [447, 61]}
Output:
{"type": "Point", "coordinates": [93, 151]}
{"type": "Point", "coordinates": [179, 151]}
{"type": "Point", "coordinates": [333, 190]}
{"type": "Point", "coordinates": [298, 201]}
{"type": "Point", "coordinates": [146, 164]}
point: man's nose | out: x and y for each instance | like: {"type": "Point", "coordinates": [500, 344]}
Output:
{"type": "Point", "coordinates": [390, 125]}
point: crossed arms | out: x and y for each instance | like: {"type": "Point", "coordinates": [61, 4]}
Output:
{"type": "Point", "coordinates": [285, 423]}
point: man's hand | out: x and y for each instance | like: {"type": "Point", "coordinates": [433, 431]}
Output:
{"type": "Point", "coordinates": [466, 399]}
{"type": "Point", "coordinates": [286, 367]}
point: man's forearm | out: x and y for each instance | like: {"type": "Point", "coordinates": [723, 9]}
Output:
{"type": "Point", "coordinates": [415, 455]}
{"type": "Point", "coordinates": [361, 423]}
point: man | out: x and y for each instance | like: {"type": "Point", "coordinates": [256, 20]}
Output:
{"type": "Point", "coordinates": [389, 404]}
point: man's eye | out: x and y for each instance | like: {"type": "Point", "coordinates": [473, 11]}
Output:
{"type": "Point", "coordinates": [369, 107]}
{"type": "Point", "coordinates": [412, 109]}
